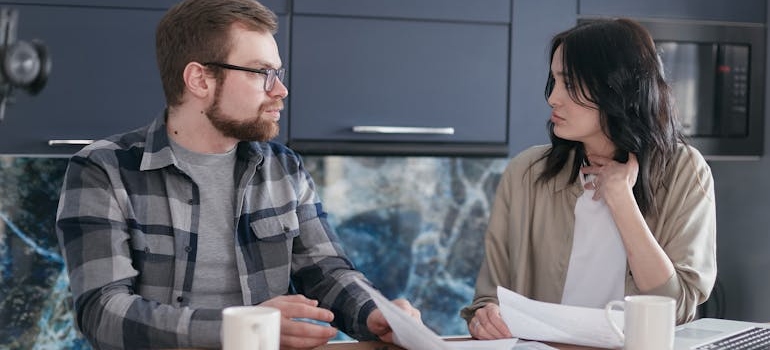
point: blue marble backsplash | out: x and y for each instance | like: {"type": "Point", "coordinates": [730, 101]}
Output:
{"type": "Point", "coordinates": [413, 225]}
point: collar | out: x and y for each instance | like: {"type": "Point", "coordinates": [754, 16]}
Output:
{"type": "Point", "coordinates": [561, 180]}
{"type": "Point", "coordinates": [157, 149]}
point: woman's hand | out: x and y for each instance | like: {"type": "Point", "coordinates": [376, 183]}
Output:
{"type": "Point", "coordinates": [611, 177]}
{"type": "Point", "coordinates": [487, 324]}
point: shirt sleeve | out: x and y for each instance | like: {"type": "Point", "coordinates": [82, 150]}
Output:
{"type": "Point", "coordinates": [94, 238]}
{"type": "Point", "coordinates": [686, 230]}
{"type": "Point", "coordinates": [494, 270]}
{"type": "Point", "coordinates": [321, 269]}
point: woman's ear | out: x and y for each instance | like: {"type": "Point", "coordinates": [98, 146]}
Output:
{"type": "Point", "coordinates": [197, 80]}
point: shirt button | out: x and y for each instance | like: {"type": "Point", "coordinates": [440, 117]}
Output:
{"type": "Point", "coordinates": [188, 249]}
{"type": "Point", "coordinates": [286, 229]}
{"type": "Point", "coordinates": [190, 201]}
{"type": "Point", "coordinates": [180, 298]}
{"type": "Point", "coordinates": [147, 250]}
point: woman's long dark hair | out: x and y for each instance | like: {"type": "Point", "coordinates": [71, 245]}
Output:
{"type": "Point", "coordinates": [614, 65]}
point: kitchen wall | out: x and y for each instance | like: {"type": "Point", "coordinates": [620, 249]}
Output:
{"type": "Point", "coordinates": [743, 236]}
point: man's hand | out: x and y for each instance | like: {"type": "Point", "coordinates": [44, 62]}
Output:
{"type": "Point", "coordinates": [379, 326]}
{"type": "Point", "coordinates": [300, 334]}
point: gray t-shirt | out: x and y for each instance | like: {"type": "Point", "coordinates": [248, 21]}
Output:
{"type": "Point", "coordinates": [215, 283]}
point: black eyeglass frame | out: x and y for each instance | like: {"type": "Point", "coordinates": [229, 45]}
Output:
{"type": "Point", "coordinates": [270, 74]}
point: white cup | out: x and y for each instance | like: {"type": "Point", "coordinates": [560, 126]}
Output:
{"type": "Point", "coordinates": [251, 327]}
{"type": "Point", "coordinates": [649, 322]}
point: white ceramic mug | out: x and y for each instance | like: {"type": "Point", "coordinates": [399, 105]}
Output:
{"type": "Point", "coordinates": [251, 327]}
{"type": "Point", "coordinates": [649, 322]}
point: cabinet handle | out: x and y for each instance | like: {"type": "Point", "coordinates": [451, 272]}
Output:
{"type": "Point", "coordinates": [70, 142]}
{"type": "Point", "coordinates": [367, 129]}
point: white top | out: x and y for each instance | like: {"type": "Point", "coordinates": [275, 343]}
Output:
{"type": "Point", "coordinates": [597, 264]}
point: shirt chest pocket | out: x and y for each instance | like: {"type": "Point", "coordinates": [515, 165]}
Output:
{"type": "Point", "coordinates": [276, 229]}
{"type": "Point", "coordinates": [272, 251]}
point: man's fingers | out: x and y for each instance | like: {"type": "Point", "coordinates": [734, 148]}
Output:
{"type": "Point", "coordinates": [306, 329]}
{"type": "Point", "coordinates": [405, 305]}
{"type": "Point", "coordinates": [297, 306]}
{"type": "Point", "coordinates": [291, 299]}
{"type": "Point", "coordinates": [300, 342]}
{"type": "Point", "coordinates": [304, 335]}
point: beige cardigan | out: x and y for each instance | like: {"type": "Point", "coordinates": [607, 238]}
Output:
{"type": "Point", "coordinates": [529, 238]}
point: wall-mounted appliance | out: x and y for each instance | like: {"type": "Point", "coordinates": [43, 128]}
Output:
{"type": "Point", "coordinates": [717, 73]}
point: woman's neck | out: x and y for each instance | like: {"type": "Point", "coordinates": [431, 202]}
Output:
{"type": "Point", "coordinates": [603, 149]}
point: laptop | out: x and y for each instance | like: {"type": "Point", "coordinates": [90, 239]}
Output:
{"type": "Point", "coordinates": [709, 330]}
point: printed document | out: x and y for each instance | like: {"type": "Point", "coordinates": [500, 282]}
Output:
{"type": "Point", "coordinates": [536, 320]}
{"type": "Point", "coordinates": [411, 334]}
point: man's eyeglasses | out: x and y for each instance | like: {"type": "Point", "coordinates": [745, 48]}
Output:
{"type": "Point", "coordinates": [270, 73]}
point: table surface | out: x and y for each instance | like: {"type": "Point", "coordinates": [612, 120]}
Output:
{"type": "Point", "coordinates": [375, 345]}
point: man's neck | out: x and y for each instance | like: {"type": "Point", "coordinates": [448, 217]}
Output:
{"type": "Point", "coordinates": [190, 128]}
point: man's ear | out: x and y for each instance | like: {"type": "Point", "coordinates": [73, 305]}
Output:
{"type": "Point", "coordinates": [197, 81]}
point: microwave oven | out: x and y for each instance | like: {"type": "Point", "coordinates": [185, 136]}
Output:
{"type": "Point", "coordinates": [716, 71]}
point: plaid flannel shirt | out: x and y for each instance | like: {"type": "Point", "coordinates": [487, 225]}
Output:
{"type": "Point", "coordinates": [127, 222]}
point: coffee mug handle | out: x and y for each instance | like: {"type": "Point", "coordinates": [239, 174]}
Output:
{"type": "Point", "coordinates": [615, 328]}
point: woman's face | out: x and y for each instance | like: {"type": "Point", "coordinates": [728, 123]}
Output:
{"type": "Point", "coordinates": [573, 121]}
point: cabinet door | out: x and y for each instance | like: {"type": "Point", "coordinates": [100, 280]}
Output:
{"type": "Point", "coordinates": [104, 77]}
{"type": "Point", "coordinates": [351, 72]}
{"type": "Point", "coordinates": [700, 10]}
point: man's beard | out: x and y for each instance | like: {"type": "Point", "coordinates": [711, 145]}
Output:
{"type": "Point", "coordinates": [254, 129]}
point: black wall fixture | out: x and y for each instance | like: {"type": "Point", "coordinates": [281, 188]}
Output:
{"type": "Point", "coordinates": [23, 64]}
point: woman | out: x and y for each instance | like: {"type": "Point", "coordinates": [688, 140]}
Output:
{"type": "Point", "coordinates": [616, 205]}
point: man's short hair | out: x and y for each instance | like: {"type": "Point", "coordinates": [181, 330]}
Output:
{"type": "Point", "coordinates": [199, 31]}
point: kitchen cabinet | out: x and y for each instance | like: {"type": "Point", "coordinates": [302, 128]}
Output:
{"type": "Point", "coordinates": [400, 76]}
{"type": "Point", "coordinates": [699, 10]}
{"type": "Point", "coordinates": [104, 78]}
{"type": "Point", "coordinates": [534, 25]}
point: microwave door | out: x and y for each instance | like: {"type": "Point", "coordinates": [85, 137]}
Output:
{"type": "Point", "coordinates": [689, 69]}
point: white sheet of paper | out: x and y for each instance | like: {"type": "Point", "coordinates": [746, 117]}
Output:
{"type": "Point", "coordinates": [411, 334]}
{"type": "Point", "coordinates": [532, 345]}
{"type": "Point", "coordinates": [499, 344]}
{"type": "Point", "coordinates": [537, 320]}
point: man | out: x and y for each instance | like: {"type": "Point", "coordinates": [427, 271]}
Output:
{"type": "Point", "coordinates": [165, 226]}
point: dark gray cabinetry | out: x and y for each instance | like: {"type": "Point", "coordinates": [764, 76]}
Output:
{"type": "Point", "coordinates": [436, 65]}
{"type": "Point", "coordinates": [104, 78]}
{"type": "Point", "coordinates": [281, 9]}
{"type": "Point", "coordinates": [534, 24]}
{"type": "Point", "coordinates": [702, 10]}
